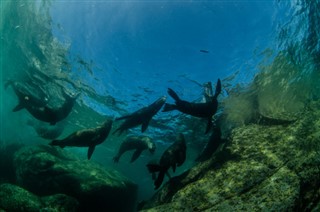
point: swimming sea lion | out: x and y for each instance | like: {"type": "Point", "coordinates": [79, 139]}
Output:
{"type": "Point", "coordinates": [214, 142]}
{"type": "Point", "coordinates": [53, 115]}
{"type": "Point", "coordinates": [137, 143]}
{"type": "Point", "coordinates": [142, 116]}
{"type": "Point", "coordinates": [35, 101]}
{"type": "Point", "coordinates": [174, 156]}
{"type": "Point", "coordinates": [46, 131]}
{"type": "Point", "coordinates": [86, 138]}
{"type": "Point", "coordinates": [202, 110]}
{"type": "Point", "coordinates": [27, 95]}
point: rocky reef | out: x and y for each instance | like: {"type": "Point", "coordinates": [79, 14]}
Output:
{"type": "Point", "coordinates": [51, 179]}
{"type": "Point", "coordinates": [261, 167]}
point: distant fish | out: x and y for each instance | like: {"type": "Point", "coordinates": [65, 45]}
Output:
{"type": "Point", "coordinates": [137, 143]}
{"type": "Point", "coordinates": [174, 156]}
{"type": "Point", "coordinates": [204, 51]}
{"type": "Point", "coordinates": [142, 116]}
{"type": "Point", "coordinates": [86, 138]}
{"type": "Point", "coordinates": [202, 110]}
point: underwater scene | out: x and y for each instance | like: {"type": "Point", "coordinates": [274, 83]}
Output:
{"type": "Point", "coordinates": [159, 105]}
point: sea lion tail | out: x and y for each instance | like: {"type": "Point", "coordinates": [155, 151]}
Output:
{"type": "Point", "coordinates": [173, 94]}
{"type": "Point", "coordinates": [57, 143]}
{"type": "Point", "coordinates": [169, 107]}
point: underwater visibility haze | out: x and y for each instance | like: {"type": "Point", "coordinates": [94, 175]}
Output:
{"type": "Point", "coordinates": [207, 103]}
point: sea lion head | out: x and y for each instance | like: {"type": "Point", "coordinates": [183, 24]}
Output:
{"type": "Point", "coordinates": [151, 145]}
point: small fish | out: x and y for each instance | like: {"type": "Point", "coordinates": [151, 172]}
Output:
{"type": "Point", "coordinates": [204, 51]}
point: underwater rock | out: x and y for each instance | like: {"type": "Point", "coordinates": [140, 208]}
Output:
{"type": "Point", "coordinates": [60, 202]}
{"type": "Point", "coordinates": [262, 167]}
{"type": "Point", "coordinates": [45, 170]}
{"type": "Point", "coordinates": [14, 198]}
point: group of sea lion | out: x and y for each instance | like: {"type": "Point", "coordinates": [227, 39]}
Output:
{"type": "Point", "coordinates": [173, 156]}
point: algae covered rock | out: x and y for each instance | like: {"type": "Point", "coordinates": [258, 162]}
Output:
{"type": "Point", "coordinates": [265, 167]}
{"type": "Point", "coordinates": [46, 170]}
{"type": "Point", "coordinates": [59, 202]}
{"type": "Point", "coordinates": [14, 198]}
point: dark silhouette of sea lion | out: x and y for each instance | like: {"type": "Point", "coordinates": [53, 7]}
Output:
{"type": "Point", "coordinates": [137, 143]}
{"type": "Point", "coordinates": [214, 142]}
{"type": "Point", "coordinates": [174, 156]}
{"type": "Point", "coordinates": [142, 116]}
{"type": "Point", "coordinates": [27, 95]}
{"type": "Point", "coordinates": [86, 138]}
{"type": "Point", "coordinates": [46, 131]}
{"type": "Point", "coordinates": [53, 114]}
{"type": "Point", "coordinates": [35, 101]}
{"type": "Point", "coordinates": [202, 110]}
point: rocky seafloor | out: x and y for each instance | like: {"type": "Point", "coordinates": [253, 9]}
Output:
{"type": "Point", "coordinates": [261, 168]}
{"type": "Point", "coordinates": [45, 178]}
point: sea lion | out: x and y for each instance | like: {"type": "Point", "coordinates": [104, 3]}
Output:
{"type": "Point", "coordinates": [46, 131]}
{"type": "Point", "coordinates": [214, 142]}
{"type": "Point", "coordinates": [137, 143]}
{"type": "Point", "coordinates": [35, 101]}
{"type": "Point", "coordinates": [174, 156]}
{"type": "Point", "coordinates": [53, 115]}
{"type": "Point", "coordinates": [86, 138]}
{"type": "Point", "coordinates": [202, 110]}
{"type": "Point", "coordinates": [141, 116]}
{"type": "Point", "coordinates": [27, 95]}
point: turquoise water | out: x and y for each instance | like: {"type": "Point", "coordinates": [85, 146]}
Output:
{"type": "Point", "coordinates": [121, 56]}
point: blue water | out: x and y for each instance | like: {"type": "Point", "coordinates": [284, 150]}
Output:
{"type": "Point", "coordinates": [123, 55]}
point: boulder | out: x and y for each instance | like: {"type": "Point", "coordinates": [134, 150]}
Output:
{"type": "Point", "coordinates": [13, 198]}
{"type": "Point", "coordinates": [261, 168]}
{"type": "Point", "coordinates": [46, 170]}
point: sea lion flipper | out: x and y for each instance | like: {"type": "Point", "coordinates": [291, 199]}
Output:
{"type": "Point", "coordinates": [90, 151]}
{"type": "Point", "coordinates": [18, 107]}
{"type": "Point", "coordinates": [174, 167]}
{"type": "Point", "coordinates": [135, 155]}
{"type": "Point", "coordinates": [218, 89]}
{"type": "Point", "coordinates": [159, 180]}
{"type": "Point", "coordinates": [173, 94]}
{"type": "Point", "coordinates": [209, 125]}
{"type": "Point", "coordinates": [144, 125]}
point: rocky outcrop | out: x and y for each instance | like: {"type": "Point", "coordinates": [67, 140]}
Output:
{"type": "Point", "coordinates": [14, 198]}
{"type": "Point", "coordinates": [46, 170]}
{"type": "Point", "coordinates": [265, 167]}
